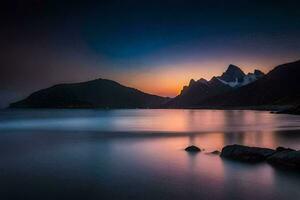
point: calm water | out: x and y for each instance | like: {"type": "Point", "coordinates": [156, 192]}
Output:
{"type": "Point", "coordinates": [138, 154]}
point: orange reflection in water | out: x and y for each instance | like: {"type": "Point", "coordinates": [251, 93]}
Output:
{"type": "Point", "coordinates": [198, 121]}
{"type": "Point", "coordinates": [212, 129]}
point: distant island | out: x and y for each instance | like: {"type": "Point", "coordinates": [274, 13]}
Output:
{"type": "Point", "coordinates": [278, 89]}
{"type": "Point", "coordinates": [99, 93]}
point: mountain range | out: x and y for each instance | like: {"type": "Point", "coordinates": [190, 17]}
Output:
{"type": "Point", "coordinates": [232, 89]}
{"type": "Point", "coordinates": [280, 87]}
{"type": "Point", "coordinates": [198, 91]}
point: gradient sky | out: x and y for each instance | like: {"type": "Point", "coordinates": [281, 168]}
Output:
{"type": "Point", "coordinates": [155, 46]}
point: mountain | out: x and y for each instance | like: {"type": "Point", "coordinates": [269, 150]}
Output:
{"type": "Point", "coordinates": [99, 93]}
{"type": "Point", "coordinates": [234, 88]}
{"type": "Point", "coordinates": [235, 77]}
{"type": "Point", "coordinates": [198, 91]}
{"type": "Point", "coordinates": [281, 86]}
{"type": "Point", "coordinates": [232, 74]}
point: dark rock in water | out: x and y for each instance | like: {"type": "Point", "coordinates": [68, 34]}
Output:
{"type": "Point", "coordinates": [192, 149]}
{"type": "Point", "coordinates": [246, 154]}
{"type": "Point", "coordinates": [215, 152]}
{"type": "Point", "coordinates": [285, 158]}
{"type": "Point", "coordinates": [279, 149]}
{"type": "Point", "coordinates": [281, 157]}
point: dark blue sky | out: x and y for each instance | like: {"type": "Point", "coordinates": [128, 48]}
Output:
{"type": "Point", "coordinates": [156, 46]}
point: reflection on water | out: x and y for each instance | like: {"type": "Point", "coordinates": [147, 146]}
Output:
{"type": "Point", "coordinates": [147, 120]}
{"type": "Point", "coordinates": [138, 154]}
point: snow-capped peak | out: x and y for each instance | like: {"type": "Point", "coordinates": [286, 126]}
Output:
{"type": "Point", "coordinates": [235, 77]}
{"type": "Point", "coordinates": [231, 84]}
{"type": "Point", "coordinates": [247, 79]}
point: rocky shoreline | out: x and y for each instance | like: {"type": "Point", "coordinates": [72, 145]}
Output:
{"type": "Point", "coordinates": [280, 157]}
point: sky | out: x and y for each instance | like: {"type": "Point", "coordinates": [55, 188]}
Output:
{"type": "Point", "coordinates": [155, 46]}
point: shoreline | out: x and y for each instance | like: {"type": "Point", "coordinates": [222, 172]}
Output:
{"type": "Point", "coordinates": [285, 109]}
{"type": "Point", "coordinates": [265, 108]}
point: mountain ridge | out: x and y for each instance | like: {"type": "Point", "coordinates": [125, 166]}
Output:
{"type": "Point", "coordinates": [281, 86]}
{"type": "Point", "coordinates": [197, 91]}
{"type": "Point", "coordinates": [97, 93]}
{"type": "Point", "coordinates": [233, 89]}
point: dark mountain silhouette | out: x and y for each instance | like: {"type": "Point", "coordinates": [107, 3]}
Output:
{"type": "Point", "coordinates": [99, 93]}
{"type": "Point", "coordinates": [232, 74]}
{"type": "Point", "coordinates": [198, 91]}
{"type": "Point", "coordinates": [281, 86]}
{"type": "Point", "coordinates": [234, 88]}
{"type": "Point", "coordinates": [258, 73]}
{"type": "Point", "coordinates": [235, 77]}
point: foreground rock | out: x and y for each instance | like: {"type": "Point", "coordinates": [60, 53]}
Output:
{"type": "Point", "coordinates": [281, 157]}
{"type": "Point", "coordinates": [192, 149]}
{"type": "Point", "coordinates": [246, 154]}
{"type": "Point", "coordinates": [285, 158]}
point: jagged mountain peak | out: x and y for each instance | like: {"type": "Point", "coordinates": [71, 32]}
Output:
{"type": "Point", "coordinates": [232, 74]}
{"type": "Point", "coordinates": [279, 87]}
{"type": "Point", "coordinates": [258, 73]}
{"type": "Point", "coordinates": [233, 67]}
{"type": "Point", "coordinates": [202, 80]}
{"type": "Point", "coordinates": [235, 77]}
{"type": "Point", "coordinates": [230, 80]}
{"type": "Point", "coordinates": [192, 82]}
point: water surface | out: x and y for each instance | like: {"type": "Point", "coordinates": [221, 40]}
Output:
{"type": "Point", "coordinates": [138, 154]}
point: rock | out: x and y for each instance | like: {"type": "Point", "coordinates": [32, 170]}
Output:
{"type": "Point", "coordinates": [285, 158]}
{"type": "Point", "coordinates": [281, 157]}
{"type": "Point", "coordinates": [216, 152]}
{"type": "Point", "coordinates": [278, 149]}
{"type": "Point", "coordinates": [246, 154]}
{"type": "Point", "coordinates": [192, 149]}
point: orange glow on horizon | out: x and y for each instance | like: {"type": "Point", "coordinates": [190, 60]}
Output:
{"type": "Point", "coordinates": [170, 79]}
